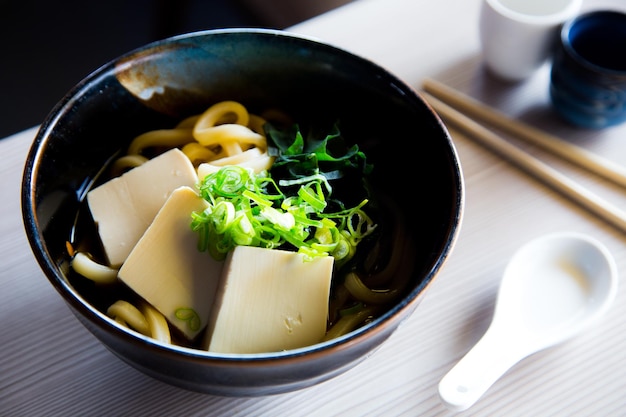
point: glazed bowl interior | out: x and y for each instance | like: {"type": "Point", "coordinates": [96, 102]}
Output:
{"type": "Point", "coordinates": [415, 163]}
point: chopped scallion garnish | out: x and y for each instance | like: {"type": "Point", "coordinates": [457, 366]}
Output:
{"type": "Point", "coordinates": [253, 210]}
{"type": "Point", "coordinates": [239, 213]}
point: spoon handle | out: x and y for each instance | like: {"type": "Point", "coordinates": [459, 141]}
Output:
{"type": "Point", "coordinates": [472, 376]}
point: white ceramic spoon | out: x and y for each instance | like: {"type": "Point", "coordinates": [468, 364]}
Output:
{"type": "Point", "coordinates": [553, 288]}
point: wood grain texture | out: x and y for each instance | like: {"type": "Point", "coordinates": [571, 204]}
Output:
{"type": "Point", "coordinates": [50, 365]}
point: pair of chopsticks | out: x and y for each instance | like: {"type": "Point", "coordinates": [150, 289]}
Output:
{"type": "Point", "coordinates": [444, 100]}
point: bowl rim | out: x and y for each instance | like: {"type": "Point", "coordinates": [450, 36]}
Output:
{"type": "Point", "coordinates": [391, 317]}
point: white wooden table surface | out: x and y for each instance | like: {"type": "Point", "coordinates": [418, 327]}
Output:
{"type": "Point", "coordinates": [50, 365]}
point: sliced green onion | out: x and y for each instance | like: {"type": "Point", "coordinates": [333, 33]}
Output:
{"type": "Point", "coordinates": [315, 198]}
{"type": "Point", "coordinates": [242, 231]}
{"type": "Point", "coordinates": [223, 215]}
{"type": "Point", "coordinates": [282, 220]}
{"type": "Point", "coordinates": [257, 198]}
{"type": "Point", "coordinates": [306, 180]}
{"type": "Point", "coordinates": [343, 251]}
{"type": "Point", "coordinates": [190, 316]}
{"type": "Point", "coordinates": [243, 212]}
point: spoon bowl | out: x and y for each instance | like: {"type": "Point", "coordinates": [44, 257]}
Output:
{"type": "Point", "coordinates": [552, 289]}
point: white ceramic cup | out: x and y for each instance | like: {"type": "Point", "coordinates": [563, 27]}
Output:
{"type": "Point", "coordinates": [517, 35]}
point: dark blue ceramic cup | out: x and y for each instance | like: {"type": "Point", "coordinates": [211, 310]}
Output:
{"type": "Point", "coordinates": [588, 78]}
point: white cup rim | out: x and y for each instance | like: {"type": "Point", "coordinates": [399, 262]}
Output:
{"type": "Point", "coordinates": [558, 17]}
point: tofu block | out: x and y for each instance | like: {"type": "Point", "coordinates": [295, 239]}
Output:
{"type": "Point", "coordinates": [124, 207]}
{"type": "Point", "coordinates": [269, 300]}
{"type": "Point", "coordinates": [168, 271]}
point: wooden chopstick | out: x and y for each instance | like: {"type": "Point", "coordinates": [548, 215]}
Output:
{"type": "Point", "coordinates": [581, 157]}
{"type": "Point", "coordinates": [531, 165]}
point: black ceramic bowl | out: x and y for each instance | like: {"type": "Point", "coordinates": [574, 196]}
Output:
{"type": "Point", "coordinates": [155, 86]}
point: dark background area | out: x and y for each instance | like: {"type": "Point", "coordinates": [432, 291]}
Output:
{"type": "Point", "coordinates": [46, 47]}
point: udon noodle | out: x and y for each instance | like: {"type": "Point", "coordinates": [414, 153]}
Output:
{"type": "Point", "coordinates": [227, 134]}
